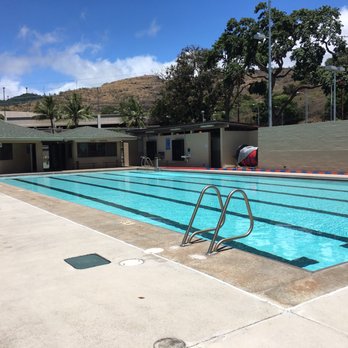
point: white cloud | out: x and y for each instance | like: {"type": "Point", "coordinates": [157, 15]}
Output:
{"type": "Point", "coordinates": [151, 31]}
{"type": "Point", "coordinates": [23, 32]}
{"type": "Point", "coordinates": [87, 73]}
{"type": "Point", "coordinates": [14, 87]}
{"type": "Point", "coordinates": [74, 62]}
{"type": "Point", "coordinates": [38, 39]}
{"type": "Point", "coordinates": [344, 20]}
{"type": "Point", "coordinates": [79, 71]}
{"type": "Point", "coordinates": [14, 65]}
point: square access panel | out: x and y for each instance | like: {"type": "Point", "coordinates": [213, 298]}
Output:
{"type": "Point", "coordinates": [87, 261]}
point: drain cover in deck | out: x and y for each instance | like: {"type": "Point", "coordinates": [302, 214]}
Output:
{"type": "Point", "coordinates": [87, 261]}
{"type": "Point", "coordinates": [169, 343]}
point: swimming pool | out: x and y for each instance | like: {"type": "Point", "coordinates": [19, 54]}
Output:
{"type": "Point", "coordinates": [298, 221]}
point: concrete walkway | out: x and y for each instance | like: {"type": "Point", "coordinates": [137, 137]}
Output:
{"type": "Point", "coordinates": [45, 302]}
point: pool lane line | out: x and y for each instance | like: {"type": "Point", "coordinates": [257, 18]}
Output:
{"type": "Point", "coordinates": [251, 189]}
{"type": "Point", "coordinates": [258, 182]}
{"type": "Point", "coordinates": [288, 206]}
{"type": "Point", "coordinates": [264, 220]}
{"type": "Point", "coordinates": [111, 204]}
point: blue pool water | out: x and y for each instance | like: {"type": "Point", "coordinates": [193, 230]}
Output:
{"type": "Point", "coordinates": [299, 221]}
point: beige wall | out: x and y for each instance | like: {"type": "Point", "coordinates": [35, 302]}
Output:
{"type": "Point", "coordinates": [21, 162]}
{"type": "Point", "coordinates": [312, 146]}
{"type": "Point", "coordinates": [230, 140]}
{"type": "Point", "coordinates": [199, 144]}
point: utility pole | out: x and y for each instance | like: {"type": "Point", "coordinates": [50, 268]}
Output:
{"type": "Point", "coordinates": [270, 116]}
{"type": "Point", "coordinates": [334, 69]}
{"type": "Point", "coordinates": [4, 99]}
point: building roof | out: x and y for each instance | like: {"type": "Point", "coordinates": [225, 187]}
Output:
{"type": "Point", "coordinates": [94, 134]}
{"type": "Point", "coordinates": [14, 133]}
{"type": "Point", "coordinates": [204, 126]}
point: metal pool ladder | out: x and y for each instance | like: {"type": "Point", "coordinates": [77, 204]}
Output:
{"type": "Point", "coordinates": [146, 161]}
{"type": "Point", "coordinates": [214, 247]}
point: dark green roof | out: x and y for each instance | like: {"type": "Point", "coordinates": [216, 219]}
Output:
{"type": "Point", "coordinates": [12, 132]}
{"type": "Point", "coordinates": [96, 134]}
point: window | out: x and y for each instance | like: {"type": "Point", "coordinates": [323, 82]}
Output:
{"type": "Point", "coordinates": [96, 149]}
{"type": "Point", "coordinates": [178, 149]}
{"type": "Point", "coordinates": [6, 152]}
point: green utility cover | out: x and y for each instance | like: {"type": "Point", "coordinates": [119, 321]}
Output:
{"type": "Point", "coordinates": [86, 261]}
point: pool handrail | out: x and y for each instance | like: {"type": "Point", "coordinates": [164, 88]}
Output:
{"type": "Point", "coordinates": [146, 161]}
{"type": "Point", "coordinates": [187, 237]}
{"type": "Point", "coordinates": [214, 247]}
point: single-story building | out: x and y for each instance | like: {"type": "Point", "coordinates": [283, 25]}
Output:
{"type": "Point", "coordinates": [208, 144]}
{"type": "Point", "coordinates": [24, 150]}
{"type": "Point", "coordinates": [21, 148]}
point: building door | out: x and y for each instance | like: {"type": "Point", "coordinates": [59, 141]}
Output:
{"type": "Point", "coordinates": [33, 157]}
{"type": "Point", "coordinates": [151, 149]}
{"type": "Point", "coordinates": [57, 157]}
{"type": "Point", "coordinates": [215, 149]}
{"type": "Point", "coordinates": [178, 149]}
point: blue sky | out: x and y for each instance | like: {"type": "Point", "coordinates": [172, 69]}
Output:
{"type": "Point", "coordinates": [49, 46]}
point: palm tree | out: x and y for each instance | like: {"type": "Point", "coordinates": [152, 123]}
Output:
{"type": "Point", "coordinates": [75, 111]}
{"type": "Point", "coordinates": [47, 109]}
{"type": "Point", "coordinates": [132, 113]}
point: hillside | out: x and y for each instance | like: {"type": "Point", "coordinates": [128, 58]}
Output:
{"type": "Point", "coordinates": [106, 97]}
{"type": "Point", "coordinates": [147, 89]}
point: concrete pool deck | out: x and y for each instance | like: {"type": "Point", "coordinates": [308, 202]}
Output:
{"type": "Point", "coordinates": [226, 300]}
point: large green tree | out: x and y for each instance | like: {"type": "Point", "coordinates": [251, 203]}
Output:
{"type": "Point", "coordinates": [303, 37]}
{"type": "Point", "coordinates": [232, 57]}
{"type": "Point", "coordinates": [74, 110]}
{"type": "Point", "coordinates": [189, 94]}
{"type": "Point", "coordinates": [47, 108]}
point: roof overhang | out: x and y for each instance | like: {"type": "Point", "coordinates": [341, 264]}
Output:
{"type": "Point", "coordinates": [194, 127]}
